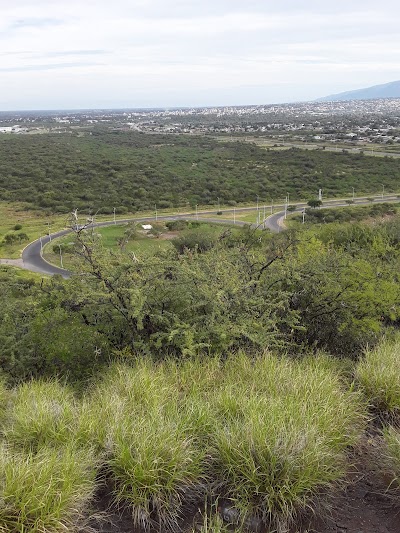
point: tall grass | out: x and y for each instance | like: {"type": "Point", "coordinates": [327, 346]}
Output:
{"type": "Point", "coordinates": [390, 457]}
{"type": "Point", "coordinates": [281, 434]}
{"type": "Point", "coordinates": [47, 492]}
{"type": "Point", "coordinates": [267, 434]}
{"type": "Point", "coordinates": [40, 413]}
{"type": "Point", "coordinates": [379, 375]}
{"type": "Point", "coordinates": [151, 459]}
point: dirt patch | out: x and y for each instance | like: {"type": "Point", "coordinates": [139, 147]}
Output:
{"type": "Point", "coordinates": [364, 506]}
{"type": "Point", "coordinates": [13, 262]}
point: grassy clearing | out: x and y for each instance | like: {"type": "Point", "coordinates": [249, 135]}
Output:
{"type": "Point", "coordinates": [265, 434]}
{"type": "Point", "coordinates": [33, 224]}
{"type": "Point", "coordinates": [47, 491]}
{"type": "Point", "coordinates": [379, 375]}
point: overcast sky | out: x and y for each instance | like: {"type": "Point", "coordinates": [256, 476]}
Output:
{"type": "Point", "coordinates": [69, 54]}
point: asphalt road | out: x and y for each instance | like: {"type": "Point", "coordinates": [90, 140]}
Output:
{"type": "Point", "coordinates": [32, 254]}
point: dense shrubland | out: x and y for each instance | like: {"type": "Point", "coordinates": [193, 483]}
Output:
{"type": "Point", "coordinates": [336, 289]}
{"type": "Point", "coordinates": [133, 172]}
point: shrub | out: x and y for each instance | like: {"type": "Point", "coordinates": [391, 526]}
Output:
{"type": "Point", "coordinates": [379, 375]}
{"type": "Point", "coordinates": [45, 492]}
{"type": "Point", "coordinates": [17, 227]}
{"type": "Point", "coordinates": [201, 239]}
{"type": "Point", "coordinates": [14, 238]}
{"type": "Point", "coordinates": [177, 225]}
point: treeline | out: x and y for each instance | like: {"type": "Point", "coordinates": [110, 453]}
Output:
{"type": "Point", "coordinates": [132, 172]}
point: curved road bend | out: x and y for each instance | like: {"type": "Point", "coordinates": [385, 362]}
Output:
{"type": "Point", "coordinates": [32, 254]}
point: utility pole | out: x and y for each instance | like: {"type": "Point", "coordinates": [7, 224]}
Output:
{"type": "Point", "coordinates": [234, 215]}
{"type": "Point", "coordinates": [197, 213]}
{"type": "Point", "coordinates": [155, 208]}
{"type": "Point", "coordinates": [272, 205]}
{"type": "Point", "coordinates": [304, 214]}
{"type": "Point", "coordinates": [48, 230]}
{"type": "Point", "coordinates": [219, 209]}
{"type": "Point", "coordinates": [286, 205]}
{"type": "Point", "coordinates": [383, 191]}
{"type": "Point", "coordinates": [114, 217]}
{"type": "Point", "coordinates": [353, 193]}
{"type": "Point", "coordinates": [41, 245]}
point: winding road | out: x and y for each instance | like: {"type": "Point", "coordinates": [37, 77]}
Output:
{"type": "Point", "coordinates": [33, 260]}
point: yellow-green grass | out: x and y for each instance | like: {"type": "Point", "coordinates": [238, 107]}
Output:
{"type": "Point", "coordinates": [40, 413]}
{"type": "Point", "coordinates": [379, 375]}
{"type": "Point", "coordinates": [389, 458]}
{"type": "Point", "coordinates": [244, 216]}
{"type": "Point", "coordinates": [47, 492]}
{"type": "Point", "coordinates": [268, 434]}
{"type": "Point", "coordinates": [152, 461]}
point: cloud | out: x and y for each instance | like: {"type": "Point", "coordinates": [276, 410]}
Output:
{"type": "Point", "coordinates": [47, 66]}
{"type": "Point", "coordinates": [133, 50]}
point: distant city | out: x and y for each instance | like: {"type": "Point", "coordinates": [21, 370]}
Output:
{"type": "Point", "coordinates": [351, 122]}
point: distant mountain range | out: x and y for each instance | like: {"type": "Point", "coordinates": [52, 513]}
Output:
{"type": "Point", "coordinates": [387, 90]}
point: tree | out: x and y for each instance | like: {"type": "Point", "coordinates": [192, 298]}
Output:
{"type": "Point", "coordinates": [313, 203]}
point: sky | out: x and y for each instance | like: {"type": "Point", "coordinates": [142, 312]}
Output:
{"type": "Point", "coordinates": [97, 54]}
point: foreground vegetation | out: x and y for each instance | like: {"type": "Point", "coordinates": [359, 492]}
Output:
{"type": "Point", "coordinates": [232, 366]}
{"type": "Point", "coordinates": [166, 436]}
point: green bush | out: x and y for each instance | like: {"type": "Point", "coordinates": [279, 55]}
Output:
{"type": "Point", "coordinates": [177, 225]}
{"type": "Point", "coordinates": [200, 239]}
{"type": "Point", "coordinates": [14, 238]}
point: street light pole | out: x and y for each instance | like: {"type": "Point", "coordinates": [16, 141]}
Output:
{"type": "Point", "coordinates": [114, 217]}
{"type": "Point", "coordinates": [353, 193]}
{"type": "Point", "coordinates": [155, 209]}
{"type": "Point", "coordinates": [197, 214]}
{"type": "Point", "coordinates": [218, 204]}
{"type": "Point", "coordinates": [234, 215]}
{"type": "Point", "coordinates": [383, 191]}
{"type": "Point", "coordinates": [61, 259]}
{"type": "Point", "coordinates": [258, 213]}
{"type": "Point", "coordinates": [304, 214]}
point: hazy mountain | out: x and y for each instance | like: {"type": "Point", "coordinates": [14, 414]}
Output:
{"type": "Point", "coordinates": [387, 90]}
